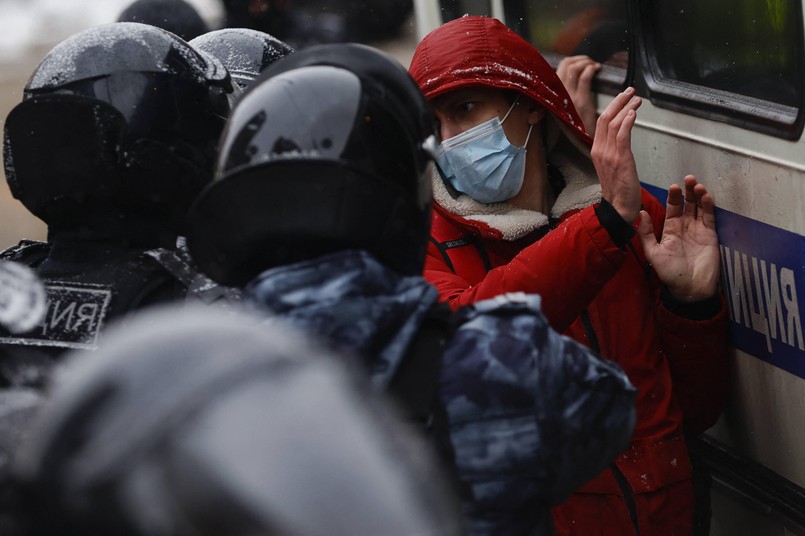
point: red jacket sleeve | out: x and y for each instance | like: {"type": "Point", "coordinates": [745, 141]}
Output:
{"type": "Point", "coordinates": [697, 352]}
{"type": "Point", "coordinates": [567, 267]}
{"type": "Point", "coordinates": [698, 357]}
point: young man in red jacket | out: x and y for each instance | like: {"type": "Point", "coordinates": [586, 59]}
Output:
{"type": "Point", "coordinates": [526, 201]}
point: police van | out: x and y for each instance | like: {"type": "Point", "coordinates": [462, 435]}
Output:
{"type": "Point", "coordinates": [722, 83]}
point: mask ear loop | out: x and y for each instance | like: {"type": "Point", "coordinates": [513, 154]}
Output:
{"type": "Point", "coordinates": [528, 136]}
{"type": "Point", "coordinates": [510, 108]}
{"type": "Point", "coordinates": [530, 128]}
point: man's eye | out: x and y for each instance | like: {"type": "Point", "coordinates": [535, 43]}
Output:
{"type": "Point", "coordinates": [466, 106]}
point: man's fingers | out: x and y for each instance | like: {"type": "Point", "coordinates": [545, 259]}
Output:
{"type": "Point", "coordinates": [691, 200]}
{"type": "Point", "coordinates": [624, 137]}
{"type": "Point", "coordinates": [674, 203]}
{"type": "Point", "coordinates": [617, 104]}
{"type": "Point", "coordinates": [620, 128]}
{"type": "Point", "coordinates": [587, 75]}
{"type": "Point", "coordinates": [573, 71]}
{"type": "Point", "coordinates": [708, 208]}
{"type": "Point", "coordinates": [630, 106]}
{"type": "Point", "coordinates": [563, 72]}
{"type": "Point", "coordinates": [570, 62]}
{"type": "Point", "coordinates": [646, 233]}
{"type": "Point", "coordinates": [613, 133]}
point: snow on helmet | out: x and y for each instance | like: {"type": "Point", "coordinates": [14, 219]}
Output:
{"type": "Point", "coordinates": [243, 51]}
{"type": "Point", "coordinates": [119, 120]}
{"type": "Point", "coordinates": [328, 150]}
{"type": "Point", "coordinates": [205, 422]}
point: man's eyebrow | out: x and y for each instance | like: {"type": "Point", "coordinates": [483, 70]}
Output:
{"type": "Point", "coordinates": [443, 100]}
{"type": "Point", "coordinates": [452, 98]}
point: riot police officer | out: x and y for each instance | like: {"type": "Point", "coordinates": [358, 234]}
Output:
{"type": "Point", "coordinates": [114, 137]}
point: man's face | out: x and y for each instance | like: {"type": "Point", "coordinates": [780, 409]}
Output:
{"type": "Point", "coordinates": [462, 109]}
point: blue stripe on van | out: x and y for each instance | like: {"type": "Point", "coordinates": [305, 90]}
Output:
{"type": "Point", "coordinates": [763, 274]}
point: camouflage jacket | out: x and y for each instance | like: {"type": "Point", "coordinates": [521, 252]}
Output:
{"type": "Point", "coordinates": [532, 413]}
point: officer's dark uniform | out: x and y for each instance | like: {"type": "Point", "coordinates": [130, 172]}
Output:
{"type": "Point", "coordinates": [113, 139]}
{"type": "Point", "coordinates": [140, 148]}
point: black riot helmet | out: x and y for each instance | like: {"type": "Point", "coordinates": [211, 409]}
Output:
{"type": "Point", "coordinates": [243, 51]}
{"type": "Point", "coordinates": [176, 16]}
{"type": "Point", "coordinates": [118, 122]}
{"type": "Point", "coordinates": [328, 149]}
{"type": "Point", "coordinates": [206, 422]}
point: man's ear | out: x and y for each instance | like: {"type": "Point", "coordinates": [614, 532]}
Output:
{"type": "Point", "coordinates": [535, 113]}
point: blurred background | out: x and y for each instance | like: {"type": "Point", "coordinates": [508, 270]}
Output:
{"type": "Point", "coordinates": [30, 28]}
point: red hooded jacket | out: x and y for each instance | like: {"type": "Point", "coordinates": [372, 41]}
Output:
{"type": "Point", "coordinates": [592, 290]}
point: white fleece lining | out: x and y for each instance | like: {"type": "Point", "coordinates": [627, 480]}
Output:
{"type": "Point", "coordinates": [582, 189]}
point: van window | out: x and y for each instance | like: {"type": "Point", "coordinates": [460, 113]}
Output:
{"type": "Point", "coordinates": [453, 9]}
{"type": "Point", "coordinates": [597, 28]}
{"type": "Point", "coordinates": [748, 47]}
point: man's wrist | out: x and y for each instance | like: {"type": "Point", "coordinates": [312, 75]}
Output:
{"type": "Point", "coordinates": [703, 309]}
{"type": "Point", "coordinates": [620, 231]}
{"type": "Point", "coordinates": [627, 215]}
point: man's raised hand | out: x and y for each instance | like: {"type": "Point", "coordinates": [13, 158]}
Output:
{"type": "Point", "coordinates": [612, 155]}
{"type": "Point", "coordinates": [687, 257]}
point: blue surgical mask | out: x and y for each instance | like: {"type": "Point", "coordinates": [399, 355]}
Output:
{"type": "Point", "coordinates": [482, 163]}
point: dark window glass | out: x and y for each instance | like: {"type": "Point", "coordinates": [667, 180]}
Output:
{"type": "Point", "coordinates": [749, 47]}
{"type": "Point", "coordinates": [597, 28]}
{"type": "Point", "coordinates": [453, 9]}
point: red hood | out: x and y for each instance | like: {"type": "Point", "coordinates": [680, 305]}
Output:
{"type": "Point", "coordinates": [473, 51]}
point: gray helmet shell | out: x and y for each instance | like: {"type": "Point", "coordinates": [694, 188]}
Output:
{"type": "Point", "coordinates": [206, 422]}
{"type": "Point", "coordinates": [243, 51]}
